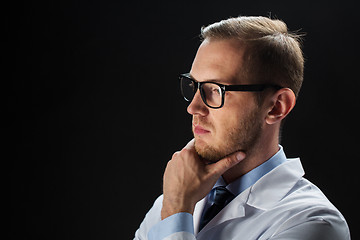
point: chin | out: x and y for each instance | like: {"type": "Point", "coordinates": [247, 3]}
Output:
{"type": "Point", "coordinates": [207, 151]}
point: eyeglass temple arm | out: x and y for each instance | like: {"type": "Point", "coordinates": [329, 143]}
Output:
{"type": "Point", "coordinates": [251, 88]}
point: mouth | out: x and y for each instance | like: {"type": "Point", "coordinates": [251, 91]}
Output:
{"type": "Point", "coordinates": [198, 130]}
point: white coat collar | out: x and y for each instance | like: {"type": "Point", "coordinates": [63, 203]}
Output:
{"type": "Point", "coordinates": [264, 194]}
{"type": "Point", "coordinates": [271, 188]}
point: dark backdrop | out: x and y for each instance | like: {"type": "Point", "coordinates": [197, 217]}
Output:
{"type": "Point", "coordinates": [92, 110]}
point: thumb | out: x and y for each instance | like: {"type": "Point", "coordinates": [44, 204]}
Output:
{"type": "Point", "coordinates": [227, 162]}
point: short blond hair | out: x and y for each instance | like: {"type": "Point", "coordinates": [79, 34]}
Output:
{"type": "Point", "coordinates": [272, 53]}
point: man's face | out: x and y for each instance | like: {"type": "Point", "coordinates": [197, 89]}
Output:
{"type": "Point", "coordinates": [238, 124]}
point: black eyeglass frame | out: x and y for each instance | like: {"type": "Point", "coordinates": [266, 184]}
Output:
{"type": "Point", "coordinates": [224, 88]}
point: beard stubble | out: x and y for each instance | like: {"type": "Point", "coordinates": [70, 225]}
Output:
{"type": "Point", "coordinates": [243, 136]}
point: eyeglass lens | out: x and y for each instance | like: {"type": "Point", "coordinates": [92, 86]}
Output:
{"type": "Point", "coordinates": [188, 88]}
{"type": "Point", "coordinates": [211, 93]}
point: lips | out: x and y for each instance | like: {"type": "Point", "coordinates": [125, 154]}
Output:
{"type": "Point", "coordinates": [200, 130]}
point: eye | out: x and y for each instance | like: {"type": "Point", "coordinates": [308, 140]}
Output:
{"type": "Point", "coordinates": [191, 84]}
{"type": "Point", "coordinates": [216, 90]}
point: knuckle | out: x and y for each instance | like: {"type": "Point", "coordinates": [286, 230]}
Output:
{"type": "Point", "coordinates": [228, 162]}
{"type": "Point", "coordinates": [185, 152]}
{"type": "Point", "coordinates": [175, 154]}
{"type": "Point", "coordinates": [168, 164]}
{"type": "Point", "coordinates": [223, 165]}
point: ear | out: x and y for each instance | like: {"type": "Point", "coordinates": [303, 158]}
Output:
{"type": "Point", "coordinates": [282, 102]}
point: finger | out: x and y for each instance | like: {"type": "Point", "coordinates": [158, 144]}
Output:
{"type": "Point", "coordinates": [175, 154]}
{"type": "Point", "coordinates": [191, 144]}
{"type": "Point", "coordinates": [228, 162]}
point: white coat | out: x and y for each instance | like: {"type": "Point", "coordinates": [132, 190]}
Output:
{"type": "Point", "coordinates": [280, 205]}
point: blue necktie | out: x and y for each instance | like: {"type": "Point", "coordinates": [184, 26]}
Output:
{"type": "Point", "coordinates": [219, 197]}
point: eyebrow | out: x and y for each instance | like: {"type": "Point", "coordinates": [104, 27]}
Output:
{"type": "Point", "coordinates": [210, 80]}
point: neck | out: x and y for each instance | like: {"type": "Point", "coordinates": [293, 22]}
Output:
{"type": "Point", "coordinates": [266, 147]}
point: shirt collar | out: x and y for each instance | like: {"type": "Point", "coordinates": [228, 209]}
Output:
{"type": "Point", "coordinates": [250, 178]}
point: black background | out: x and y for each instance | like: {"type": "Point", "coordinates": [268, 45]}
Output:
{"type": "Point", "coordinates": [92, 110]}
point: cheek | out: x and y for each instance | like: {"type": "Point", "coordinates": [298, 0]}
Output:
{"type": "Point", "coordinates": [235, 110]}
{"type": "Point", "coordinates": [224, 122]}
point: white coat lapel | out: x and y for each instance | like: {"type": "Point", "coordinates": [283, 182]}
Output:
{"type": "Point", "coordinates": [197, 214]}
{"type": "Point", "coordinates": [266, 192]}
{"type": "Point", "coordinates": [234, 209]}
{"type": "Point", "coordinates": [272, 187]}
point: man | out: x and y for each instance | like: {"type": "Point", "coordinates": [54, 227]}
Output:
{"type": "Point", "coordinates": [233, 180]}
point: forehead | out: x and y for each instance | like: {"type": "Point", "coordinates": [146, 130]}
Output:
{"type": "Point", "coordinates": [220, 60]}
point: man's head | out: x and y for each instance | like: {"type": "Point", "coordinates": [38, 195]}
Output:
{"type": "Point", "coordinates": [245, 50]}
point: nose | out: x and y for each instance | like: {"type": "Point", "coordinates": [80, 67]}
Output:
{"type": "Point", "coordinates": [197, 106]}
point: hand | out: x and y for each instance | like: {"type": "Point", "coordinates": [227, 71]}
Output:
{"type": "Point", "coordinates": [188, 179]}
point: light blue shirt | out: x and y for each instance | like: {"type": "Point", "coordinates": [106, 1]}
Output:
{"type": "Point", "coordinates": [183, 222]}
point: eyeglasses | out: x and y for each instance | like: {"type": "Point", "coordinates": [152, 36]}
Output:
{"type": "Point", "coordinates": [213, 94]}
